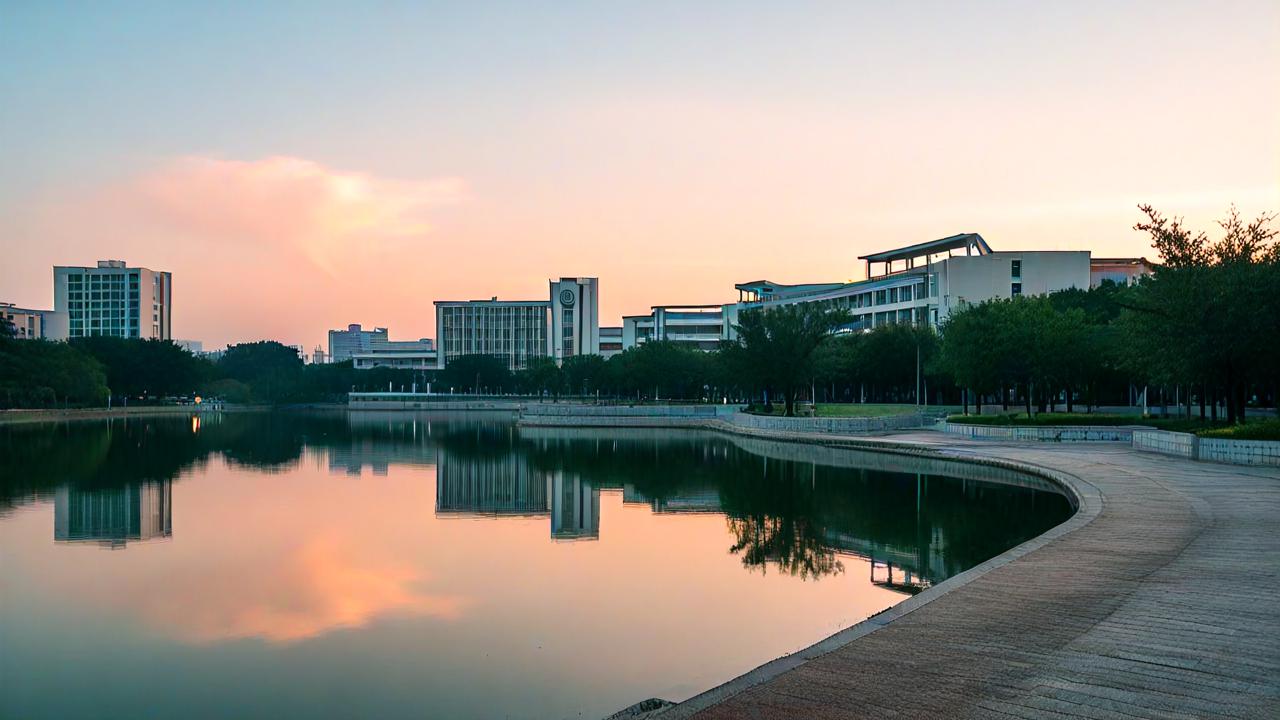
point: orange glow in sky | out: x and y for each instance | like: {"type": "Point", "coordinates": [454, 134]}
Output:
{"type": "Point", "coordinates": [299, 174]}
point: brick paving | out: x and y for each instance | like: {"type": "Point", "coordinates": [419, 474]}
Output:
{"type": "Point", "coordinates": [1165, 605]}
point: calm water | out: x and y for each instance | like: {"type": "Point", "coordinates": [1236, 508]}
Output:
{"type": "Point", "coordinates": [379, 565]}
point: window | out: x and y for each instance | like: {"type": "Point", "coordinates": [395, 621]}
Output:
{"type": "Point", "coordinates": [1016, 267]}
{"type": "Point", "coordinates": [1016, 289]}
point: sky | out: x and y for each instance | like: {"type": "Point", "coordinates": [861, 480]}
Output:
{"type": "Point", "coordinates": [302, 166]}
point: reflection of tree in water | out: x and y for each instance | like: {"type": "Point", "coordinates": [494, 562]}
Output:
{"type": "Point", "coordinates": [772, 511]}
{"type": "Point", "coordinates": [793, 515]}
{"type": "Point", "coordinates": [789, 543]}
{"type": "Point", "coordinates": [776, 516]}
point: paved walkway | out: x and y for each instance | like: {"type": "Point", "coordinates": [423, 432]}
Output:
{"type": "Point", "coordinates": [1165, 605]}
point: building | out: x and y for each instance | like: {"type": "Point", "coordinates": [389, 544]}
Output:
{"type": "Point", "coordinates": [195, 347]}
{"type": "Point", "coordinates": [1121, 271]}
{"type": "Point", "coordinates": [698, 326]}
{"type": "Point", "coordinates": [345, 343]}
{"type": "Point", "coordinates": [113, 299]}
{"type": "Point", "coordinates": [114, 517]}
{"type": "Point", "coordinates": [517, 331]}
{"type": "Point", "coordinates": [318, 356]}
{"type": "Point", "coordinates": [33, 324]}
{"type": "Point", "coordinates": [403, 354]}
{"type": "Point", "coordinates": [610, 341]}
{"type": "Point", "coordinates": [925, 283]}
{"type": "Point", "coordinates": [575, 507]}
{"type": "Point", "coordinates": [514, 330]}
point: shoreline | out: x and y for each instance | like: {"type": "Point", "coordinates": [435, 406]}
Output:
{"type": "Point", "coordinates": [1042, 621]}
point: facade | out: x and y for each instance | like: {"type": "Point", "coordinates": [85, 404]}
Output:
{"type": "Point", "coordinates": [403, 354]}
{"type": "Point", "coordinates": [610, 341]}
{"type": "Point", "coordinates": [564, 325]}
{"type": "Point", "coordinates": [575, 318]}
{"type": "Point", "coordinates": [514, 330]}
{"type": "Point", "coordinates": [1121, 271]}
{"type": "Point", "coordinates": [113, 299]}
{"type": "Point", "coordinates": [925, 283]}
{"type": "Point", "coordinates": [698, 326]}
{"type": "Point", "coordinates": [31, 324]}
{"type": "Point", "coordinates": [355, 339]}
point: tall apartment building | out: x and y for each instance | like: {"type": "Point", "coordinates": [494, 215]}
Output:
{"type": "Point", "coordinates": [113, 299]}
{"type": "Point", "coordinates": [564, 325]}
{"type": "Point", "coordinates": [343, 344]}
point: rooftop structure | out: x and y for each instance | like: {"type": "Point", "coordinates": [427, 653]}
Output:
{"type": "Point", "coordinates": [1122, 271]}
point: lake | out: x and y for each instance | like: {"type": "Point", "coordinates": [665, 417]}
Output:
{"type": "Point", "coordinates": [397, 565]}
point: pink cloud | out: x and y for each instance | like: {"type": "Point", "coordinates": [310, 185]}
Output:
{"type": "Point", "coordinates": [331, 217]}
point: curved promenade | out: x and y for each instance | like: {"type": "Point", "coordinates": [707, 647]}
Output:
{"type": "Point", "coordinates": [1159, 599]}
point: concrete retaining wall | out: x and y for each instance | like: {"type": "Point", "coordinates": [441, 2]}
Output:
{"type": "Point", "coordinates": [827, 426]}
{"type": "Point", "coordinates": [1240, 452]}
{"type": "Point", "coordinates": [1167, 443]}
{"type": "Point", "coordinates": [1223, 450]}
{"type": "Point", "coordinates": [614, 411]}
{"type": "Point", "coordinates": [511, 405]}
{"type": "Point", "coordinates": [1065, 433]}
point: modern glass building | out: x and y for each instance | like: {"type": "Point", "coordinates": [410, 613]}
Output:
{"type": "Point", "coordinates": [113, 299]}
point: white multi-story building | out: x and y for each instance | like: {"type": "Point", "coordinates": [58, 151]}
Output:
{"type": "Point", "coordinates": [610, 341]}
{"type": "Point", "coordinates": [699, 326]}
{"type": "Point", "coordinates": [355, 339]}
{"type": "Point", "coordinates": [402, 354]}
{"type": "Point", "coordinates": [575, 317]}
{"type": "Point", "coordinates": [919, 284]}
{"type": "Point", "coordinates": [924, 283]}
{"type": "Point", "coordinates": [113, 299]}
{"type": "Point", "coordinates": [31, 324]}
{"type": "Point", "coordinates": [564, 325]}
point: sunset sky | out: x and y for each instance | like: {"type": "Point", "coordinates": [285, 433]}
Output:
{"type": "Point", "coordinates": [303, 166]}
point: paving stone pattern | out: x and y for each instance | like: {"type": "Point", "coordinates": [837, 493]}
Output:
{"type": "Point", "coordinates": [1164, 606]}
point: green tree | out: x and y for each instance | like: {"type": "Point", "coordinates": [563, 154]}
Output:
{"type": "Point", "coordinates": [476, 374]}
{"type": "Point", "coordinates": [273, 371]}
{"type": "Point", "coordinates": [776, 346]}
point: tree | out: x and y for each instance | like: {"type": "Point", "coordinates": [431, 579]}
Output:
{"type": "Point", "coordinates": [146, 368]}
{"type": "Point", "coordinates": [476, 374]}
{"type": "Point", "coordinates": [584, 374]}
{"type": "Point", "coordinates": [272, 370]}
{"type": "Point", "coordinates": [1210, 313]}
{"type": "Point", "coordinates": [776, 346]}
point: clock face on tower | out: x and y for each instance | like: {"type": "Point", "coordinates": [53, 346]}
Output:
{"type": "Point", "coordinates": [566, 297]}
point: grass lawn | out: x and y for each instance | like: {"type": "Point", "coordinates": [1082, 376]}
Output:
{"type": "Point", "coordinates": [863, 409]}
{"type": "Point", "coordinates": [851, 409]}
{"type": "Point", "coordinates": [1253, 430]}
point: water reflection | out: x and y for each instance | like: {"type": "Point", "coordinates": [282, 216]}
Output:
{"type": "Point", "coordinates": [111, 482]}
{"type": "Point", "coordinates": [113, 517]}
{"type": "Point", "coordinates": [432, 566]}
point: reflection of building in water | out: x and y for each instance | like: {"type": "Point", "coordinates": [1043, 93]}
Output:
{"type": "Point", "coordinates": [700, 499]}
{"type": "Point", "coordinates": [575, 507]}
{"type": "Point", "coordinates": [489, 485]}
{"type": "Point", "coordinates": [115, 516]}
{"type": "Point", "coordinates": [379, 440]}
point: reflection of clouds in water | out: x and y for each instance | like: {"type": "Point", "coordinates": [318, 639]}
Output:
{"type": "Point", "coordinates": [321, 586]}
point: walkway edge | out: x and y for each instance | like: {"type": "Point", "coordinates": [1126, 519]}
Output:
{"type": "Point", "coordinates": [1087, 498]}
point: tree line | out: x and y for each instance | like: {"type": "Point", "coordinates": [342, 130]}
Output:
{"type": "Point", "coordinates": [1204, 329]}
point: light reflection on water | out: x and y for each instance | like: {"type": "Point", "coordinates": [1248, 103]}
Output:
{"type": "Point", "coordinates": [385, 565]}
